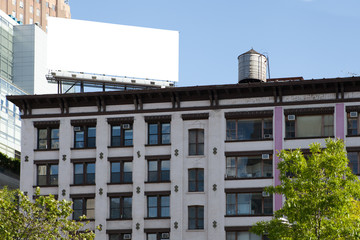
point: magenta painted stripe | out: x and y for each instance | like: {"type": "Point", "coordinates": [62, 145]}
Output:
{"type": "Point", "coordinates": [278, 132]}
{"type": "Point", "coordinates": [340, 120]}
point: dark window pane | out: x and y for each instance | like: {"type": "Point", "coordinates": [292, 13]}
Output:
{"type": "Point", "coordinates": [115, 141]}
{"type": "Point", "coordinates": [153, 139]}
{"type": "Point", "coordinates": [115, 131]}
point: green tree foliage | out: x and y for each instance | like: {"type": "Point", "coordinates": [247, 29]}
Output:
{"type": "Point", "coordinates": [320, 192]}
{"type": "Point", "coordinates": [12, 164]}
{"type": "Point", "coordinates": [44, 218]}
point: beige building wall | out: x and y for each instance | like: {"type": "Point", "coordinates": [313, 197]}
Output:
{"type": "Point", "coordinates": [35, 11]}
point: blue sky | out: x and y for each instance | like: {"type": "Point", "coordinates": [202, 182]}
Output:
{"type": "Point", "coordinates": [309, 38]}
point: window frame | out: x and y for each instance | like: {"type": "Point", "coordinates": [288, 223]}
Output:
{"type": "Point", "coordinates": [158, 234]}
{"type": "Point", "coordinates": [159, 125]}
{"type": "Point", "coordinates": [85, 130]}
{"type": "Point", "coordinates": [242, 229]}
{"type": "Point", "coordinates": [357, 160]}
{"type": "Point", "coordinates": [247, 191]}
{"type": "Point", "coordinates": [121, 209]}
{"type": "Point", "coordinates": [122, 139]}
{"type": "Point", "coordinates": [196, 181]}
{"type": "Point", "coordinates": [159, 171]}
{"type": "Point", "coordinates": [263, 128]}
{"type": "Point", "coordinates": [118, 235]}
{"type": "Point", "coordinates": [348, 119]}
{"type": "Point", "coordinates": [84, 163]}
{"type": "Point", "coordinates": [49, 138]}
{"type": "Point", "coordinates": [84, 198]}
{"type": "Point", "coordinates": [48, 165]}
{"type": "Point", "coordinates": [199, 151]}
{"type": "Point", "coordinates": [238, 155]}
{"type": "Point", "coordinates": [197, 218]}
{"type": "Point", "coordinates": [122, 162]}
{"type": "Point", "coordinates": [303, 112]}
{"type": "Point", "coordinates": [159, 206]}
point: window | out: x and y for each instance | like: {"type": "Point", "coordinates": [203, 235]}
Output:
{"type": "Point", "coordinates": [354, 162]}
{"type": "Point", "coordinates": [121, 172]}
{"type": "Point", "coordinates": [84, 173]}
{"type": "Point", "coordinates": [159, 133]}
{"type": "Point", "coordinates": [249, 166]}
{"type": "Point", "coordinates": [353, 123]}
{"type": "Point", "coordinates": [119, 236]}
{"type": "Point", "coordinates": [121, 135]}
{"type": "Point", "coordinates": [21, 4]}
{"type": "Point", "coordinates": [31, 9]}
{"type": "Point", "coordinates": [158, 206]}
{"type": "Point", "coordinates": [196, 217]}
{"type": "Point", "coordinates": [13, 13]}
{"type": "Point", "coordinates": [37, 12]}
{"type": "Point", "coordinates": [47, 174]}
{"type": "Point", "coordinates": [243, 235]}
{"type": "Point", "coordinates": [84, 137]}
{"type": "Point", "coordinates": [238, 204]}
{"type": "Point", "coordinates": [21, 17]}
{"type": "Point", "coordinates": [249, 129]}
{"type": "Point", "coordinates": [47, 135]}
{"type": "Point", "coordinates": [196, 142]}
{"type": "Point", "coordinates": [196, 180]}
{"type": "Point", "coordinates": [83, 206]}
{"type": "Point", "coordinates": [158, 170]}
{"type": "Point", "coordinates": [31, 21]}
{"type": "Point", "coordinates": [47, 4]}
{"type": "Point", "coordinates": [309, 126]}
{"type": "Point", "coordinates": [14, 2]}
{"type": "Point", "coordinates": [158, 236]}
{"type": "Point", "coordinates": [120, 207]}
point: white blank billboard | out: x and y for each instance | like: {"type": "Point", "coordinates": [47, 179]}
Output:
{"type": "Point", "coordinates": [111, 49]}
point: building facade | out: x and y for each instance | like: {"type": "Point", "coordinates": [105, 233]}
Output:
{"type": "Point", "coordinates": [35, 11]}
{"type": "Point", "coordinates": [179, 163]}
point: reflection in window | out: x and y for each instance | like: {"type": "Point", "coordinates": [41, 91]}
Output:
{"type": "Point", "coordinates": [158, 133]}
{"type": "Point", "coordinates": [310, 126]}
{"type": "Point", "coordinates": [195, 217]}
{"type": "Point", "coordinates": [47, 174]}
{"type": "Point", "coordinates": [249, 129]}
{"type": "Point", "coordinates": [158, 206]}
{"type": "Point", "coordinates": [248, 167]}
{"type": "Point", "coordinates": [248, 204]}
{"type": "Point", "coordinates": [158, 170]}
{"type": "Point", "coordinates": [196, 142]}
{"type": "Point", "coordinates": [354, 162]}
{"type": "Point", "coordinates": [83, 206]}
{"type": "Point", "coordinates": [121, 172]}
{"type": "Point", "coordinates": [84, 173]}
{"type": "Point", "coordinates": [120, 207]}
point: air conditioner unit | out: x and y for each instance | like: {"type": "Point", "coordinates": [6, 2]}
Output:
{"type": "Point", "coordinates": [77, 129]}
{"type": "Point", "coordinates": [265, 156]}
{"type": "Point", "coordinates": [267, 136]}
{"type": "Point", "coordinates": [265, 194]}
{"type": "Point", "coordinates": [165, 235]}
{"type": "Point", "coordinates": [291, 117]}
{"type": "Point", "coordinates": [353, 114]}
{"type": "Point", "coordinates": [126, 126]}
{"type": "Point", "coordinates": [127, 236]}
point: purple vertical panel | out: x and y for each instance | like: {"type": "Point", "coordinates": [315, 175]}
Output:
{"type": "Point", "coordinates": [278, 132]}
{"type": "Point", "coordinates": [340, 120]}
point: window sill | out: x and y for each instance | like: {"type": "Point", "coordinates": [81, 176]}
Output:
{"type": "Point", "coordinates": [84, 184]}
{"type": "Point", "coordinates": [249, 140]}
{"type": "Point", "coordinates": [299, 138]}
{"type": "Point", "coordinates": [250, 215]}
{"type": "Point", "coordinates": [120, 183]}
{"type": "Point", "coordinates": [196, 156]}
{"type": "Point", "coordinates": [159, 182]}
{"type": "Point", "coordinates": [85, 220]}
{"type": "Point", "coordinates": [195, 230]}
{"type": "Point", "coordinates": [196, 192]}
{"type": "Point", "coordinates": [85, 148]}
{"type": "Point", "coordinates": [46, 150]}
{"type": "Point", "coordinates": [352, 136]}
{"type": "Point", "coordinates": [120, 146]}
{"type": "Point", "coordinates": [254, 178]}
{"type": "Point", "coordinates": [157, 145]}
{"type": "Point", "coordinates": [118, 219]}
{"type": "Point", "coordinates": [45, 186]}
{"type": "Point", "coordinates": [155, 218]}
